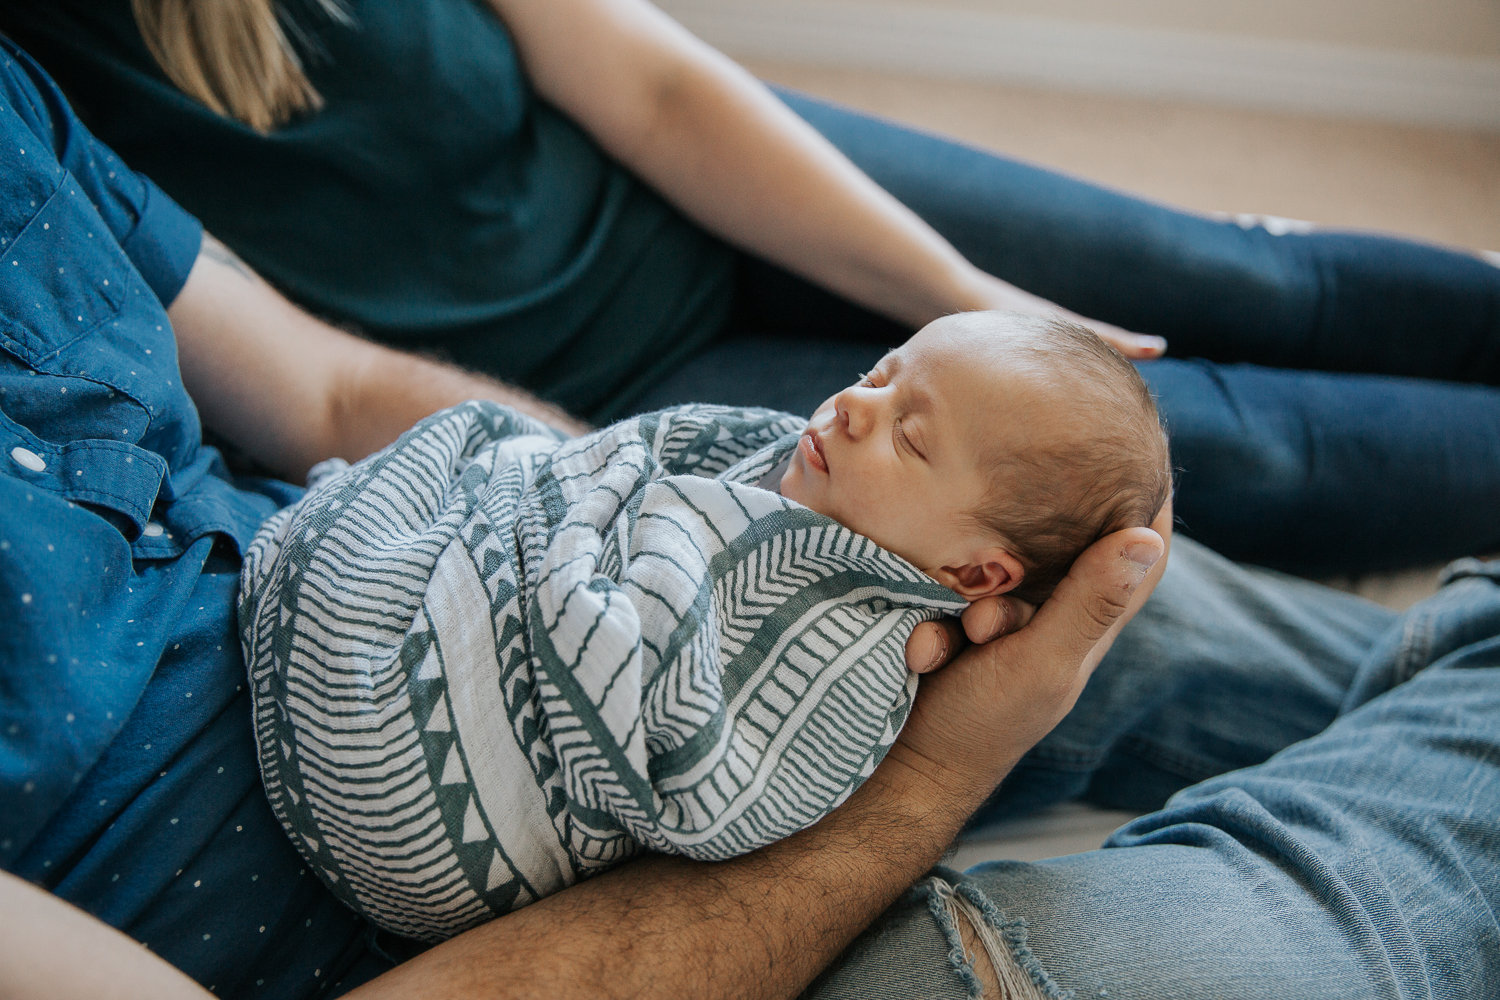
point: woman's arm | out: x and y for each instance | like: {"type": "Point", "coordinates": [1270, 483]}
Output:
{"type": "Point", "coordinates": [761, 925]}
{"type": "Point", "coordinates": [50, 950]}
{"type": "Point", "coordinates": [717, 144]}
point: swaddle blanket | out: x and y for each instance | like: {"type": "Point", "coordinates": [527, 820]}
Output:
{"type": "Point", "coordinates": [487, 661]}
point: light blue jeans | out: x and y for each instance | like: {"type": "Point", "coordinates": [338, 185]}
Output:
{"type": "Point", "coordinates": [1362, 859]}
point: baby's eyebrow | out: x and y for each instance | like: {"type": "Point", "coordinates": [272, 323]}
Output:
{"type": "Point", "coordinates": [915, 398]}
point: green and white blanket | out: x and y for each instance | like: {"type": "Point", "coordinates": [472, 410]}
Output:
{"type": "Point", "coordinates": [488, 662]}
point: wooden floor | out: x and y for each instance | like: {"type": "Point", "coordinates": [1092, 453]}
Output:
{"type": "Point", "coordinates": [1435, 184]}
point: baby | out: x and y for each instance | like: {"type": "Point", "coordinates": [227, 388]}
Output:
{"type": "Point", "coordinates": [488, 661]}
{"type": "Point", "coordinates": [989, 451]}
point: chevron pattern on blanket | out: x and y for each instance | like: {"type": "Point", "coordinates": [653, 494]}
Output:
{"type": "Point", "coordinates": [488, 662]}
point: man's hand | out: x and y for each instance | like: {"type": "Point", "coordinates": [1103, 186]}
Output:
{"type": "Point", "coordinates": [762, 925]}
{"type": "Point", "coordinates": [997, 698]}
{"type": "Point", "coordinates": [932, 644]}
{"type": "Point", "coordinates": [976, 717]}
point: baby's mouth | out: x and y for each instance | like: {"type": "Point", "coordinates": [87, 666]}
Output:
{"type": "Point", "coordinates": [812, 451]}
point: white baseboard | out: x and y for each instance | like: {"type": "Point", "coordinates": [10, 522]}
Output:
{"type": "Point", "coordinates": [1260, 73]}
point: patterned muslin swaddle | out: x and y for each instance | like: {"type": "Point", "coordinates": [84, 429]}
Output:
{"type": "Point", "coordinates": [487, 662]}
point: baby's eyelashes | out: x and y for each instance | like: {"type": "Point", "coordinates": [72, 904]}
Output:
{"type": "Point", "coordinates": [904, 441]}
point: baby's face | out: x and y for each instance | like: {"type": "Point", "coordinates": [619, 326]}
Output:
{"type": "Point", "coordinates": [899, 455]}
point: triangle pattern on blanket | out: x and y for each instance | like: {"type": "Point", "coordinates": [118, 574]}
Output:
{"type": "Point", "coordinates": [554, 779]}
{"type": "Point", "coordinates": [474, 828]}
{"type": "Point", "coordinates": [499, 873]}
{"type": "Point", "coordinates": [453, 770]}
{"type": "Point", "coordinates": [438, 721]}
{"type": "Point", "coordinates": [430, 669]}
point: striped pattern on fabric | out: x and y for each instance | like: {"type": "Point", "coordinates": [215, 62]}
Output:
{"type": "Point", "coordinates": [488, 662]}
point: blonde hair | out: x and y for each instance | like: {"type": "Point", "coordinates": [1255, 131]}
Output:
{"type": "Point", "coordinates": [233, 56]}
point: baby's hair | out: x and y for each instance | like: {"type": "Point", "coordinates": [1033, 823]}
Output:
{"type": "Point", "coordinates": [1072, 485]}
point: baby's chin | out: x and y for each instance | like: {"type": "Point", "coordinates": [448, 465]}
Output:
{"type": "Point", "coordinates": [788, 487]}
{"type": "Point", "coordinates": [792, 487]}
{"type": "Point", "coordinates": [793, 483]}
{"type": "Point", "coordinates": [796, 485]}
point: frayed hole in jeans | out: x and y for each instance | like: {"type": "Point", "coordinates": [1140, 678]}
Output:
{"type": "Point", "coordinates": [962, 908]}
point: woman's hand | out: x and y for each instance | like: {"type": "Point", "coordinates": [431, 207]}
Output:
{"type": "Point", "coordinates": [992, 293]}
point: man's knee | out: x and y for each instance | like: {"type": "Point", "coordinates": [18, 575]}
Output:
{"type": "Point", "coordinates": [983, 946]}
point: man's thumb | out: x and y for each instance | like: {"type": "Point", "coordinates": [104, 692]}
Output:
{"type": "Point", "coordinates": [1097, 590]}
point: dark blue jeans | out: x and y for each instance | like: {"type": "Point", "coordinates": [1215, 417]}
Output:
{"type": "Point", "coordinates": [1330, 396]}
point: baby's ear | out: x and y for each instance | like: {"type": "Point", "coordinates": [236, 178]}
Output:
{"type": "Point", "coordinates": [988, 572]}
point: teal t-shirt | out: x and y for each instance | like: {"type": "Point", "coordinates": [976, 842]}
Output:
{"type": "Point", "coordinates": [434, 202]}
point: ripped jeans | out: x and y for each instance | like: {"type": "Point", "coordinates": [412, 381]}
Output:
{"type": "Point", "coordinates": [1362, 860]}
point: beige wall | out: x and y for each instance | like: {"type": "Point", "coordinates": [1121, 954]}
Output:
{"type": "Point", "coordinates": [1440, 27]}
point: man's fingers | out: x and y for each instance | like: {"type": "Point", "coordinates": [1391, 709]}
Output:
{"type": "Point", "coordinates": [932, 644]}
{"type": "Point", "coordinates": [991, 617]}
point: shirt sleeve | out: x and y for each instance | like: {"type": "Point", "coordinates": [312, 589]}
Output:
{"type": "Point", "coordinates": [159, 236]}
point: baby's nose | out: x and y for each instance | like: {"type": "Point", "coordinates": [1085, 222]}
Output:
{"type": "Point", "coordinates": [857, 411]}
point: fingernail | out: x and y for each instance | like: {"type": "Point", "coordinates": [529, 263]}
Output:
{"type": "Point", "coordinates": [1143, 556]}
{"type": "Point", "coordinates": [996, 619]}
{"type": "Point", "coordinates": [939, 652]}
{"type": "Point", "coordinates": [1152, 343]}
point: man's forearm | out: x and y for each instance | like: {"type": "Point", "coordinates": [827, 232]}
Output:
{"type": "Point", "coordinates": [388, 391]}
{"type": "Point", "coordinates": [757, 926]}
{"type": "Point", "coordinates": [764, 924]}
{"type": "Point", "coordinates": [292, 390]}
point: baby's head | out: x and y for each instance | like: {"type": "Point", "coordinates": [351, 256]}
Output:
{"type": "Point", "coordinates": [989, 450]}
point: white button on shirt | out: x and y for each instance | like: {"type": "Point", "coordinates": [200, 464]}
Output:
{"type": "Point", "coordinates": [28, 459]}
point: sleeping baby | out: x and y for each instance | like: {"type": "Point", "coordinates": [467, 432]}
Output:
{"type": "Point", "coordinates": [489, 661]}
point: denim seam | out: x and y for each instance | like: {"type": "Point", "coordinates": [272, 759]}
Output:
{"type": "Point", "coordinates": [1083, 760]}
{"type": "Point", "coordinates": [1463, 569]}
{"type": "Point", "coordinates": [1415, 650]}
{"type": "Point", "coordinates": [1183, 765]}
